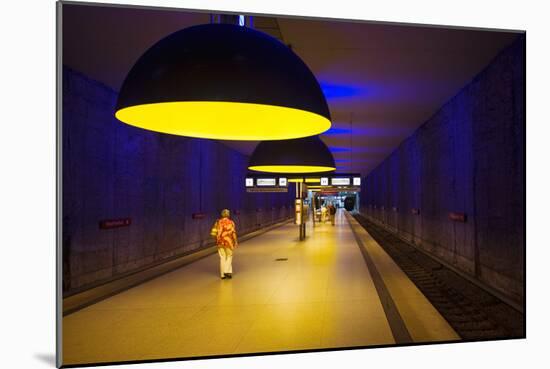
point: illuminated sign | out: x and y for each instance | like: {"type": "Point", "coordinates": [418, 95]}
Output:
{"type": "Point", "coordinates": [313, 180]}
{"type": "Point", "coordinates": [340, 181]}
{"type": "Point", "coordinates": [267, 189]}
{"type": "Point", "coordinates": [266, 182]}
{"type": "Point", "coordinates": [352, 181]}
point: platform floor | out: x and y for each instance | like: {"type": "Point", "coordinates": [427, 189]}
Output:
{"type": "Point", "coordinates": [322, 296]}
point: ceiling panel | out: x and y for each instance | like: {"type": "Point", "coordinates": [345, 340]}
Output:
{"type": "Point", "coordinates": [381, 81]}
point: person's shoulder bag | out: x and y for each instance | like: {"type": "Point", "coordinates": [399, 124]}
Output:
{"type": "Point", "coordinates": [214, 230]}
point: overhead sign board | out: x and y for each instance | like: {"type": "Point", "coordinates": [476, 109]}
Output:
{"type": "Point", "coordinates": [340, 181]}
{"type": "Point", "coordinates": [266, 182]}
{"type": "Point", "coordinates": [343, 181]}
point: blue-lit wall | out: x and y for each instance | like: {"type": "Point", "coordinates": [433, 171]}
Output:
{"type": "Point", "coordinates": [112, 170]}
{"type": "Point", "coordinates": [468, 158]}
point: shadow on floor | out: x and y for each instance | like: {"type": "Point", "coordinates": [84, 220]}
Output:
{"type": "Point", "coordinates": [46, 358]}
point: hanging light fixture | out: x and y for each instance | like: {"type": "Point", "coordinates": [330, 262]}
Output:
{"type": "Point", "coordinates": [223, 81]}
{"type": "Point", "coordinates": [301, 155]}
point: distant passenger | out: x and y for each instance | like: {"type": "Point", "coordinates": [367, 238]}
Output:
{"type": "Point", "coordinates": [332, 213]}
{"type": "Point", "coordinates": [323, 213]}
{"type": "Point", "coordinates": [226, 240]}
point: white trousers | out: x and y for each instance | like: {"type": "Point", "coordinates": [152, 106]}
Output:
{"type": "Point", "coordinates": [226, 259]}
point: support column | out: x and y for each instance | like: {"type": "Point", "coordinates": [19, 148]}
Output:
{"type": "Point", "coordinates": [299, 210]}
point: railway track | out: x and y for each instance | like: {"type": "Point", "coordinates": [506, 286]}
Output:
{"type": "Point", "coordinates": [472, 312]}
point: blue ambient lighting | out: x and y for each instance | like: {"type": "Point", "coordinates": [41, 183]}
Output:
{"type": "Point", "coordinates": [337, 131]}
{"type": "Point", "coordinates": [333, 91]}
{"type": "Point", "coordinates": [339, 149]}
{"type": "Point", "coordinates": [363, 149]}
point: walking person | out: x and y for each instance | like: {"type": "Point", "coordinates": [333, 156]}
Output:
{"type": "Point", "coordinates": [332, 213]}
{"type": "Point", "coordinates": [226, 240]}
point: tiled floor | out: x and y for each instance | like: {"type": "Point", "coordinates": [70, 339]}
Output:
{"type": "Point", "coordinates": [322, 296]}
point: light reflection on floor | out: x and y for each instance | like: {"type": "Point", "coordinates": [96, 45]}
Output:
{"type": "Point", "coordinates": [321, 297]}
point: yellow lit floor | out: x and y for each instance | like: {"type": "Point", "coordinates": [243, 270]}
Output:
{"type": "Point", "coordinates": [321, 297]}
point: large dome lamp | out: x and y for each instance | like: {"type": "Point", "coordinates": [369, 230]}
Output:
{"type": "Point", "coordinates": [302, 155]}
{"type": "Point", "coordinates": [223, 81]}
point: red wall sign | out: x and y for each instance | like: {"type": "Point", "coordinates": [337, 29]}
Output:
{"type": "Point", "coordinates": [457, 217]}
{"type": "Point", "coordinates": [198, 215]}
{"type": "Point", "coordinates": [114, 223]}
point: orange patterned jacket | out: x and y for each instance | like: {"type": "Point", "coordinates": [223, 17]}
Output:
{"type": "Point", "coordinates": [227, 235]}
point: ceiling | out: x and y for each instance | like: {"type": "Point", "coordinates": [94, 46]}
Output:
{"type": "Point", "coordinates": [381, 81]}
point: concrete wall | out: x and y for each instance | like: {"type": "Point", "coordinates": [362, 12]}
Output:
{"type": "Point", "coordinates": [468, 158]}
{"type": "Point", "coordinates": [112, 170]}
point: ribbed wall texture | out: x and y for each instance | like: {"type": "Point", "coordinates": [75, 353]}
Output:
{"type": "Point", "coordinates": [468, 158]}
{"type": "Point", "coordinates": [112, 171]}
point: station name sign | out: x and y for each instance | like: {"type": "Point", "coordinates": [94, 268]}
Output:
{"type": "Point", "coordinates": [114, 223]}
{"type": "Point", "coordinates": [340, 180]}
{"type": "Point", "coordinates": [266, 182]}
